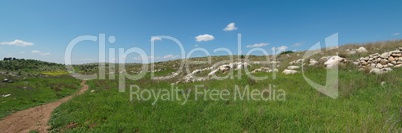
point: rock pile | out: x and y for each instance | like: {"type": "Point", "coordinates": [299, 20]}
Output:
{"type": "Point", "coordinates": [381, 63]}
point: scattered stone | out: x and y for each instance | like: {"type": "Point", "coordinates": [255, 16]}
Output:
{"type": "Point", "coordinates": [312, 62]}
{"type": "Point", "coordinates": [362, 50]}
{"type": "Point", "coordinates": [296, 61]}
{"type": "Point", "coordinates": [351, 52]}
{"type": "Point", "coordinates": [380, 71]}
{"type": "Point", "coordinates": [286, 71]}
{"type": "Point", "coordinates": [382, 83]}
{"type": "Point", "coordinates": [334, 61]}
{"type": "Point", "coordinates": [293, 67]}
{"type": "Point", "coordinates": [262, 69]}
{"type": "Point", "coordinates": [6, 95]}
{"type": "Point", "coordinates": [92, 90]}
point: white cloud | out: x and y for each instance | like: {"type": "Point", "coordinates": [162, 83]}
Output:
{"type": "Point", "coordinates": [144, 57]}
{"type": "Point", "coordinates": [282, 48]}
{"type": "Point", "coordinates": [205, 37]}
{"type": "Point", "coordinates": [155, 38]}
{"type": "Point", "coordinates": [257, 45]}
{"type": "Point", "coordinates": [35, 51]}
{"type": "Point", "coordinates": [22, 52]}
{"type": "Point", "coordinates": [88, 59]}
{"type": "Point", "coordinates": [396, 34]}
{"type": "Point", "coordinates": [45, 53]}
{"type": "Point", "coordinates": [17, 43]}
{"type": "Point", "coordinates": [41, 53]}
{"type": "Point", "coordinates": [230, 27]}
{"type": "Point", "coordinates": [196, 45]}
{"type": "Point", "coordinates": [171, 56]}
{"type": "Point", "coordinates": [298, 44]}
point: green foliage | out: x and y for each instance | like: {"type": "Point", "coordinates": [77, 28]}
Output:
{"type": "Point", "coordinates": [13, 64]}
{"type": "Point", "coordinates": [286, 52]}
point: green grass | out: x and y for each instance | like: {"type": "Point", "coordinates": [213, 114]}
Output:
{"type": "Point", "coordinates": [55, 73]}
{"type": "Point", "coordinates": [32, 91]}
{"type": "Point", "coordinates": [363, 106]}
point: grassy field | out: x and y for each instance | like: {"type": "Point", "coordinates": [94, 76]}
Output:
{"type": "Point", "coordinates": [34, 91]}
{"type": "Point", "coordinates": [364, 105]}
{"type": "Point", "coordinates": [55, 73]}
{"type": "Point", "coordinates": [366, 102]}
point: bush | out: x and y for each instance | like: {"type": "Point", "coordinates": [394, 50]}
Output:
{"type": "Point", "coordinates": [286, 52]}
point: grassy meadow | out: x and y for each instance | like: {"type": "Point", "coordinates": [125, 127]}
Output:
{"type": "Point", "coordinates": [366, 103]}
{"type": "Point", "coordinates": [28, 92]}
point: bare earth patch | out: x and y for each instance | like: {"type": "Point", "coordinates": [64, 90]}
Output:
{"type": "Point", "coordinates": [35, 118]}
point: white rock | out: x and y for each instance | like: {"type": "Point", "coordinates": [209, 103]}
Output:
{"type": "Point", "coordinates": [6, 95]}
{"type": "Point", "coordinates": [351, 52]}
{"type": "Point", "coordinates": [380, 71]}
{"type": "Point", "coordinates": [397, 66]}
{"type": "Point", "coordinates": [213, 72]}
{"type": "Point", "coordinates": [384, 55]}
{"type": "Point", "coordinates": [293, 67]}
{"type": "Point", "coordinates": [379, 66]}
{"type": "Point", "coordinates": [286, 71]}
{"type": "Point", "coordinates": [296, 61]}
{"type": "Point", "coordinates": [313, 62]}
{"type": "Point", "coordinates": [333, 61]}
{"type": "Point", "coordinates": [361, 50]}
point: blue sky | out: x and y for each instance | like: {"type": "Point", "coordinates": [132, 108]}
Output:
{"type": "Point", "coordinates": [43, 29]}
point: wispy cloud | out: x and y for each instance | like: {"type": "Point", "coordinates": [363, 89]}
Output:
{"type": "Point", "coordinates": [171, 56]}
{"type": "Point", "coordinates": [143, 57]}
{"type": "Point", "coordinates": [396, 34]}
{"type": "Point", "coordinates": [205, 37]}
{"type": "Point", "coordinates": [41, 53]}
{"type": "Point", "coordinates": [230, 27]}
{"type": "Point", "coordinates": [298, 44]}
{"type": "Point", "coordinates": [17, 43]}
{"type": "Point", "coordinates": [281, 48]}
{"type": "Point", "coordinates": [45, 53]}
{"type": "Point", "coordinates": [155, 38]}
{"type": "Point", "coordinates": [35, 51]}
{"type": "Point", "coordinates": [196, 45]}
{"type": "Point", "coordinates": [257, 45]}
{"type": "Point", "coordinates": [88, 59]}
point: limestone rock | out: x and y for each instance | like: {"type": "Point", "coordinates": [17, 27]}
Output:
{"type": "Point", "coordinates": [362, 50]}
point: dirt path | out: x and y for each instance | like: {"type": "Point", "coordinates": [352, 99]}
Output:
{"type": "Point", "coordinates": [35, 118]}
